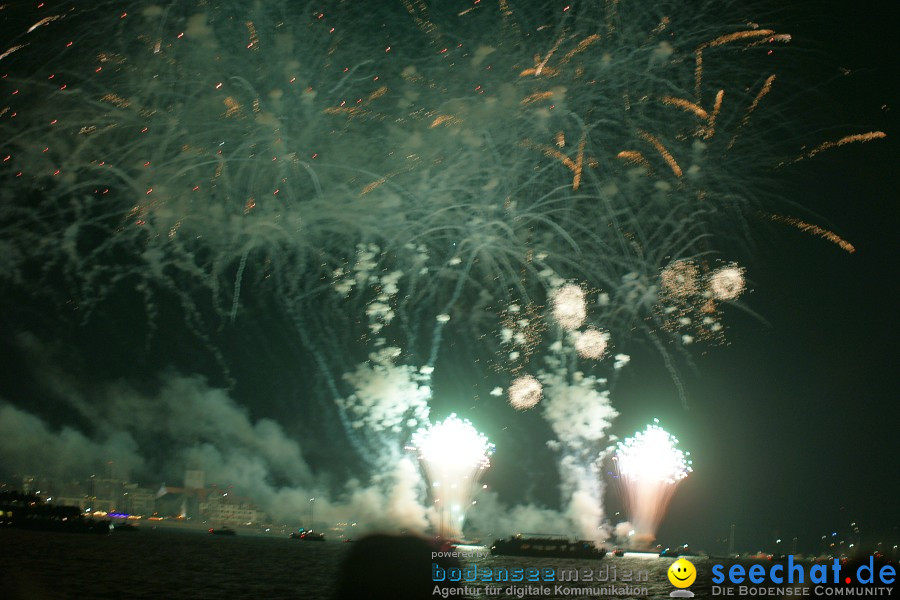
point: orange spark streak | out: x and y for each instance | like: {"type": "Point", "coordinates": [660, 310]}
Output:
{"type": "Point", "coordinates": [633, 157]}
{"type": "Point", "coordinates": [541, 66]}
{"type": "Point", "coordinates": [816, 230]}
{"type": "Point", "coordinates": [711, 126]}
{"type": "Point", "coordinates": [581, 47]}
{"type": "Point", "coordinates": [667, 156]}
{"type": "Point", "coordinates": [719, 41]}
{"type": "Point", "coordinates": [686, 105]}
{"type": "Point", "coordinates": [575, 166]}
{"type": "Point", "coordinates": [371, 186]}
{"type": "Point", "coordinates": [444, 120]}
{"type": "Point", "coordinates": [862, 138]}
{"type": "Point", "coordinates": [536, 97]}
{"type": "Point", "coordinates": [766, 88]}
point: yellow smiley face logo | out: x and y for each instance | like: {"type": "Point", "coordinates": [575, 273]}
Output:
{"type": "Point", "coordinates": [682, 573]}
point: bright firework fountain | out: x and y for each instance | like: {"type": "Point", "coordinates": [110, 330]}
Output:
{"type": "Point", "coordinates": [453, 454]}
{"type": "Point", "coordinates": [650, 467]}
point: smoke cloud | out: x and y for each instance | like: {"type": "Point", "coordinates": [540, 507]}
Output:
{"type": "Point", "coordinates": [187, 424]}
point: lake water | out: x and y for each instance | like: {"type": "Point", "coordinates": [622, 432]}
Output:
{"type": "Point", "coordinates": [189, 564]}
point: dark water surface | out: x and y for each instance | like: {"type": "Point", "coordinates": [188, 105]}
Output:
{"type": "Point", "coordinates": [190, 564]}
{"type": "Point", "coordinates": [163, 564]}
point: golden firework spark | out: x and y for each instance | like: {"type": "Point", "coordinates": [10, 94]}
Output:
{"type": "Point", "coordinates": [766, 88]}
{"type": "Point", "coordinates": [860, 138]}
{"type": "Point", "coordinates": [444, 120]}
{"type": "Point", "coordinates": [575, 166]}
{"type": "Point", "coordinates": [581, 47]}
{"type": "Point", "coordinates": [232, 107]}
{"type": "Point", "coordinates": [536, 97]}
{"type": "Point", "coordinates": [540, 63]}
{"type": "Point", "coordinates": [360, 107]}
{"type": "Point", "coordinates": [687, 304]}
{"type": "Point", "coordinates": [719, 41]}
{"type": "Point", "coordinates": [680, 279]}
{"type": "Point", "coordinates": [11, 50]}
{"type": "Point", "coordinates": [522, 327]}
{"type": "Point", "coordinates": [686, 105]}
{"type": "Point", "coordinates": [419, 13]}
{"type": "Point", "coordinates": [371, 186]}
{"type": "Point", "coordinates": [709, 129]}
{"type": "Point", "coordinates": [410, 165]}
{"type": "Point", "coordinates": [711, 125]}
{"type": "Point", "coordinates": [539, 67]}
{"type": "Point", "coordinates": [736, 36]}
{"type": "Point", "coordinates": [560, 139]}
{"type": "Point", "coordinates": [254, 37]}
{"type": "Point", "coordinates": [115, 100]}
{"type": "Point", "coordinates": [634, 157]}
{"type": "Point", "coordinates": [612, 13]}
{"type": "Point", "coordinates": [377, 93]}
{"type": "Point", "coordinates": [778, 37]}
{"type": "Point", "coordinates": [815, 230]}
{"type": "Point", "coordinates": [44, 21]}
{"type": "Point", "coordinates": [663, 24]}
{"type": "Point", "coordinates": [509, 23]}
{"type": "Point", "coordinates": [667, 156]}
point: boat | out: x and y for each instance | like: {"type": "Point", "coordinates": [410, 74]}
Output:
{"type": "Point", "coordinates": [223, 530]}
{"type": "Point", "coordinates": [27, 511]}
{"type": "Point", "coordinates": [678, 552]}
{"type": "Point", "coordinates": [465, 544]}
{"type": "Point", "coordinates": [644, 554]}
{"type": "Point", "coordinates": [468, 546]}
{"type": "Point", "coordinates": [534, 545]}
{"type": "Point", "coordinates": [308, 535]}
{"type": "Point", "coordinates": [619, 552]}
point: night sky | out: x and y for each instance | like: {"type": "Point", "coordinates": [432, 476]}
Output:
{"type": "Point", "coordinates": [792, 422]}
{"type": "Point", "coordinates": [797, 416]}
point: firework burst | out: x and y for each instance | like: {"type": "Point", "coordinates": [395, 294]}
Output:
{"type": "Point", "coordinates": [454, 455]}
{"type": "Point", "coordinates": [362, 191]}
{"type": "Point", "coordinates": [650, 466]}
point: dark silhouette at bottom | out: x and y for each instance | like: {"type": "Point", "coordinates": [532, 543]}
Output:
{"type": "Point", "coordinates": [393, 566]}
